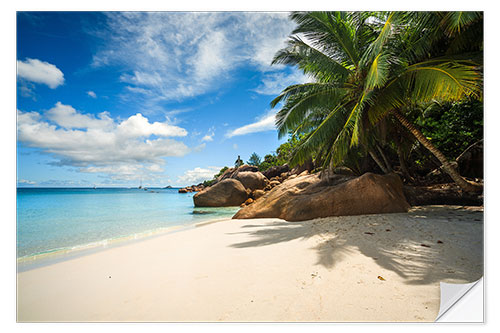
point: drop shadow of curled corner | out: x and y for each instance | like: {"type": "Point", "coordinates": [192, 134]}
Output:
{"type": "Point", "coordinates": [452, 294]}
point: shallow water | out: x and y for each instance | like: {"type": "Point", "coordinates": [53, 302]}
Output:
{"type": "Point", "coordinates": [54, 220]}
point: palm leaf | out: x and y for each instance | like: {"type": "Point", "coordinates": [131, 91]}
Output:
{"type": "Point", "coordinates": [301, 100]}
{"type": "Point", "coordinates": [454, 22]}
{"type": "Point", "coordinates": [312, 61]}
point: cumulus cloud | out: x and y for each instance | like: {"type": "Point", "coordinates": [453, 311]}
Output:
{"type": "Point", "coordinates": [198, 175]}
{"type": "Point", "coordinates": [265, 123]}
{"type": "Point", "coordinates": [126, 149]}
{"type": "Point", "coordinates": [197, 51]}
{"type": "Point", "coordinates": [38, 71]}
{"type": "Point", "coordinates": [91, 94]}
{"type": "Point", "coordinates": [66, 116]}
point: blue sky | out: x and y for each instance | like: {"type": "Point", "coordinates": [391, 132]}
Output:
{"type": "Point", "coordinates": [116, 98]}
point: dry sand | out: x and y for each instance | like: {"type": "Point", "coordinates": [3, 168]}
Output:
{"type": "Point", "coordinates": [268, 270]}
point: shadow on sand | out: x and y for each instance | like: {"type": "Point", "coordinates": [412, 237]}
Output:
{"type": "Point", "coordinates": [427, 245]}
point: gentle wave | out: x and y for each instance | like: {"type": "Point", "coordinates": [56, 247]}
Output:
{"type": "Point", "coordinates": [60, 222]}
{"type": "Point", "coordinates": [102, 243]}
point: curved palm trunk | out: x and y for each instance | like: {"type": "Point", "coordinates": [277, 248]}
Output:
{"type": "Point", "coordinates": [464, 184]}
{"type": "Point", "coordinates": [402, 162]}
{"type": "Point", "coordinates": [378, 161]}
{"type": "Point", "coordinates": [386, 161]}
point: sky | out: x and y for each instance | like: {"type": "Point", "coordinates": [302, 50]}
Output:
{"type": "Point", "coordinates": [158, 98]}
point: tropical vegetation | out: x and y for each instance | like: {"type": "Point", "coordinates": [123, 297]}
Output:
{"type": "Point", "coordinates": [373, 75]}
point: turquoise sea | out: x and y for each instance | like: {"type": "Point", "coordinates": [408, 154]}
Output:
{"type": "Point", "coordinates": [64, 220]}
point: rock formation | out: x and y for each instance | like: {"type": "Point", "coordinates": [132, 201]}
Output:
{"type": "Point", "coordinates": [252, 180]}
{"type": "Point", "coordinates": [311, 196]}
{"type": "Point", "coordinates": [229, 192]}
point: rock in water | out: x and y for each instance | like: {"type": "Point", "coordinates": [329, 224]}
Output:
{"type": "Point", "coordinates": [308, 197]}
{"type": "Point", "coordinates": [229, 192]}
{"type": "Point", "coordinates": [252, 180]}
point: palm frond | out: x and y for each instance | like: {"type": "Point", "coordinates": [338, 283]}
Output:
{"type": "Point", "coordinates": [312, 61]}
{"type": "Point", "coordinates": [301, 101]}
{"type": "Point", "coordinates": [454, 22]}
{"type": "Point", "coordinates": [330, 32]}
{"type": "Point", "coordinates": [326, 132]}
{"type": "Point", "coordinates": [445, 81]}
{"type": "Point", "coordinates": [379, 72]}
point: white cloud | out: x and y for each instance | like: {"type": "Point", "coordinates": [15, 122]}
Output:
{"type": "Point", "coordinates": [235, 146]}
{"type": "Point", "coordinates": [38, 71]}
{"type": "Point", "coordinates": [266, 123]}
{"type": "Point", "coordinates": [133, 148]}
{"type": "Point", "coordinates": [66, 116]}
{"type": "Point", "coordinates": [139, 126]}
{"type": "Point", "coordinates": [209, 136]}
{"type": "Point", "coordinates": [174, 55]}
{"type": "Point", "coordinates": [91, 94]}
{"type": "Point", "coordinates": [198, 175]}
{"type": "Point", "coordinates": [275, 83]}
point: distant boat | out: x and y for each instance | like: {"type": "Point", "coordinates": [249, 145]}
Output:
{"type": "Point", "coordinates": [95, 188]}
{"type": "Point", "coordinates": [140, 186]}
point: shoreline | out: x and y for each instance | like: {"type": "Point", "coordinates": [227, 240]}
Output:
{"type": "Point", "coordinates": [268, 270]}
{"type": "Point", "coordinates": [57, 255]}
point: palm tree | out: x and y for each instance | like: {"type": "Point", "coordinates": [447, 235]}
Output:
{"type": "Point", "coordinates": [368, 65]}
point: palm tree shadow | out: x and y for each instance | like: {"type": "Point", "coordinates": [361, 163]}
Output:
{"type": "Point", "coordinates": [427, 245]}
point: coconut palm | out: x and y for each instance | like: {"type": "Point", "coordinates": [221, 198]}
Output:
{"type": "Point", "coordinates": [369, 65]}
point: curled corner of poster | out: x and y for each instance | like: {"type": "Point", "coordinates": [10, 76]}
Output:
{"type": "Point", "coordinates": [461, 303]}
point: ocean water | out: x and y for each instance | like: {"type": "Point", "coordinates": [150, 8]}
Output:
{"type": "Point", "coordinates": [63, 220]}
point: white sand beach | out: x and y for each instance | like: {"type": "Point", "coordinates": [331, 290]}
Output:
{"type": "Point", "coordinates": [359, 268]}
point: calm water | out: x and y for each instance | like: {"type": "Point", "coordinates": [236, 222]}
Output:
{"type": "Point", "coordinates": [63, 219]}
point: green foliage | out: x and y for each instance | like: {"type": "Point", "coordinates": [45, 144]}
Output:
{"type": "Point", "coordinates": [270, 160]}
{"type": "Point", "coordinates": [207, 183]}
{"type": "Point", "coordinates": [283, 153]}
{"type": "Point", "coordinates": [367, 64]}
{"type": "Point", "coordinates": [221, 172]}
{"type": "Point", "coordinates": [452, 127]}
{"type": "Point", "coordinates": [254, 160]}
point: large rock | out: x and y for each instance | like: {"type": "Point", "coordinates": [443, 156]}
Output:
{"type": "Point", "coordinates": [233, 172]}
{"type": "Point", "coordinates": [276, 171]}
{"type": "Point", "coordinates": [252, 180]}
{"type": "Point", "coordinates": [306, 166]}
{"type": "Point", "coordinates": [312, 196]}
{"type": "Point", "coordinates": [229, 192]}
{"type": "Point", "coordinates": [227, 174]}
{"type": "Point", "coordinates": [246, 167]}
